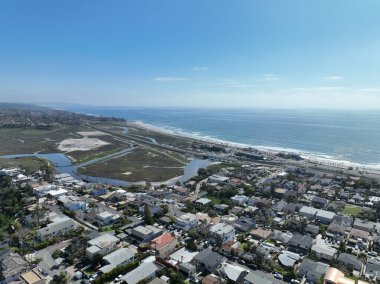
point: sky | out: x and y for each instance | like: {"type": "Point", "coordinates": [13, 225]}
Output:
{"type": "Point", "coordinates": [192, 53]}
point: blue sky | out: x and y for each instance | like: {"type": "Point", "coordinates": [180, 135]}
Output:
{"type": "Point", "coordinates": [301, 54]}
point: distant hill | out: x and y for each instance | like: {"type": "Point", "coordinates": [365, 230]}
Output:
{"type": "Point", "coordinates": [21, 106]}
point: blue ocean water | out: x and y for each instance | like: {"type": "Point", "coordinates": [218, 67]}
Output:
{"type": "Point", "coordinates": [352, 136]}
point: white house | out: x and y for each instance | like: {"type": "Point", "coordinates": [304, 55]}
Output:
{"type": "Point", "coordinates": [218, 179]}
{"type": "Point", "coordinates": [240, 199]}
{"type": "Point", "coordinates": [325, 217]}
{"type": "Point", "coordinates": [44, 189]}
{"type": "Point", "coordinates": [186, 222]}
{"type": "Point", "coordinates": [146, 270]}
{"type": "Point", "coordinates": [101, 245]}
{"type": "Point", "coordinates": [106, 218]}
{"type": "Point", "coordinates": [58, 227]}
{"type": "Point", "coordinates": [322, 251]}
{"type": "Point", "coordinates": [222, 231]}
{"type": "Point", "coordinates": [73, 203]}
{"type": "Point", "coordinates": [119, 257]}
{"type": "Point", "coordinates": [308, 212]}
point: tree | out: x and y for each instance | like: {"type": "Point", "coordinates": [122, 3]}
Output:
{"type": "Point", "coordinates": [59, 279]}
{"type": "Point", "coordinates": [148, 219]}
{"type": "Point", "coordinates": [218, 241]}
{"type": "Point", "coordinates": [96, 259]}
{"type": "Point", "coordinates": [47, 172]}
{"type": "Point", "coordinates": [191, 245]}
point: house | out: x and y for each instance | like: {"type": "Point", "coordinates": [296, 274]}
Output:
{"type": "Point", "coordinates": [154, 208]}
{"type": "Point", "coordinates": [261, 202]}
{"type": "Point", "coordinates": [186, 222]}
{"type": "Point", "coordinates": [98, 191]}
{"type": "Point", "coordinates": [288, 259]}
{"type": "Point", "coordinates": [280, 192]}
{"type": "Point", "coordinates": [260, 234]}
{"type": "Point", "coordinates": [145, 234]}
{"type": "Point", "coordinates": [207, 260]}
{"type": "Point", "coordinates": [12, 265]}
{"type": "Point", "coordinates": [324, 217]}
{"type": "Point", "coordinates": [291, 208]}
{"type": "Point", "coordinates": [312, 270]}
{"type": "Point", "coordinates": [319, 202]}
{"type": "Point", "coordinates": [73, 203]}
{"type": "Point", "coordinates": [312, 230]}
{"type": "Point", "coordinates": [231, 271]}
{"type": "Point", "coordinates": [240, 199]}
{"type": "Point", "coordinates": [364, 225]}
{"type": "Point", "coordinates": [164, 245]}
{"type": "Point", "coordinates": [336, 231]}
{"type": "Point", "coordinates": [221, 208]}
{"type": "Point", "coordinates": [202, 203]}
{"type": "Point", "coordinates": [33, 277]}
{"type": "Point", "coordinates": [358, 238]}
{"type": "Point", "coordinates": [230, 246]}
{"type": "Point", "coordinates": [244, 224]}
{"type": "Point", "coordinates": [58, 227]}
{"type": "Point", "coordinates": [218, 179]}
{"type": "Point", "coordinates": [335, 276]}
{"type": "Point", "coordinates": [308, 212]}
{"type": "Point", "coordinates": [350, 261]}
{"type": "Point", "coordinates": [106, 218]}
{"type": "Point", "coordinates": [101, 245]}
{"type": "Point", "coordinates": [322, 251]}
{"type": "Point", "coordinates": [345, 221]}
{"type": "Point", "coordinates": [181, 256]}
{"type": "Point", "coordinates": [119, 257]}
{"type": "Point", "coordinates": [145, 270]}
{"type": "Point", "coordinates": [211, 279]}
{"type": "Point", "coordinates": [11, 172]}
{"type": "Point", "coordinates": [281, 237]}
{"type": "Point", "coordinates": [57, 193]}
{"type": "Point", "coordinates": [254, 278]}
{"type": "Point", "coordinates": [44, 189]}
{"type": "Point", "coordinates": [300, 243]}
{"type": "Point", "coordinates": [279, 206]}
{"type": "Point", "coordinates": [222, 232]}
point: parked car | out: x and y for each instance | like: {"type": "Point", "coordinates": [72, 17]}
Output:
{"type": "Point", "coordinates": [278, 275]}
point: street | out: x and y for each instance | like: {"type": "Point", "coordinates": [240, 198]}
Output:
{"type": "Point", "coordinates": [47, 261]}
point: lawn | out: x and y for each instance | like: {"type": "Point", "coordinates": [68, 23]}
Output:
{"type": "Point", "coordinates": [213, 199]}
{"type": "Point", "coordinates": [352, 210]}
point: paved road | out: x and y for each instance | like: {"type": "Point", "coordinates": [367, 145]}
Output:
{"type": "Point", "coordinates": [270, 277]}
{"type": "Point", "coordinates": [47, 261]}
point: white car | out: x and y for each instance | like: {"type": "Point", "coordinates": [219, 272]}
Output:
{"type": "Point", "coordinates": [278, 276]}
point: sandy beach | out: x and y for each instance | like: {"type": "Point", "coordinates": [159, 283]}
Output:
{"type": "Point", "coordinates": [307, 161]}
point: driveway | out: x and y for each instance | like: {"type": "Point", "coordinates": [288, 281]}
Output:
{"type": "Point", "coordinates": [47, 261]}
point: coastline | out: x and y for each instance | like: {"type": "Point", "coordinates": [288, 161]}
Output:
{"type": "Point", "coordinates": [326, 162]}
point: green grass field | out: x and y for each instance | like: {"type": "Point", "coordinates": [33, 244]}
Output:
{"type": "Point", "coordinates": [352, 210]}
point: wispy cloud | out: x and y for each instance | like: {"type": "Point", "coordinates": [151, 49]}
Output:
{"type": "Point", "coordinates": [200, 68]}
{"type": "Point", "coordinates": [170, 79]}
{"type": "Point", "coordinates": [234, 83]}
{"type": "Point", "coordinates": [334, 78]}
{"type": "Point", "coordinates": [270, 77]}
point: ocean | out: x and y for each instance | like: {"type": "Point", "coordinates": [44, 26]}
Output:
{"type": "Point", "coordinates": [341, 136]}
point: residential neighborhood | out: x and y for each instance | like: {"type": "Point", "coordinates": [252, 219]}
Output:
{"type": "Point", "coordinates": [231, 223]}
